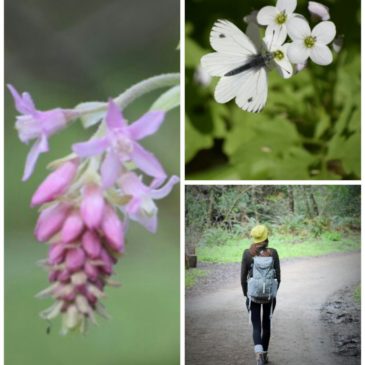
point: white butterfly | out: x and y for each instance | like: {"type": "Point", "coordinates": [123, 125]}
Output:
{"type": "Point", "coordinates": [243, 64]}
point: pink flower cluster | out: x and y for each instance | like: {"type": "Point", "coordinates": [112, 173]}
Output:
{"type": "Point", "coordinates": [87, 201]}
{"type": "Point", "coordinates": [86, 238]}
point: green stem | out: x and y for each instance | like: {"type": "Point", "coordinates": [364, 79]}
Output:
{"type": "Point", "coordinates": [146, 86]}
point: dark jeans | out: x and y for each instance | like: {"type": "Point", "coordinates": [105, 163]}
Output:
{"type": "Point", "coordinates": [261, 328]}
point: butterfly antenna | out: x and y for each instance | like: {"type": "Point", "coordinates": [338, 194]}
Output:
{"type": "Point", "coordinates": [272, 39]}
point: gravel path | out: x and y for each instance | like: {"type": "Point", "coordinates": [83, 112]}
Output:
{"type": "Point", "coordinates": [217, 328]}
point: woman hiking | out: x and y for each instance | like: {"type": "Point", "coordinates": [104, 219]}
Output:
{"type": "Point", "coordinates": [260, 279]}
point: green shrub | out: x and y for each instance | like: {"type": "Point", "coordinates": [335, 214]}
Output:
{"type": "Point", "coordinates": [215, 236]}
{"type": "Point", "coordinates": [331, 235]}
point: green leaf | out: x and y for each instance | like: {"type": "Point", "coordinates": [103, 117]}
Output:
{"type": "Point", "coordinates": [195, 140]}
{"type": "Point", "coordinates": [168, 100]}
{"type": "Point", "coordinates": [193, 53]}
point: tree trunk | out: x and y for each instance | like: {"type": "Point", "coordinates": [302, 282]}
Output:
{"type": "Point", "coordinates": [313, 201]}
{"type": "Point", "coordinates": [291, 199]}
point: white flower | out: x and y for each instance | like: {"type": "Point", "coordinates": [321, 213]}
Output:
{"type": "Point", "coordinates": [310, 44]}
{"type": "Point", "coordinates": [274, 44]}
{"type": "Point", "coordinates": [338, 43]}
{"type": "Point", "coordinates": [318, 10]}
{"type": "Point", "coordinates": [276, 17]}
{"type": "Point", "coordinates": [201, 77]}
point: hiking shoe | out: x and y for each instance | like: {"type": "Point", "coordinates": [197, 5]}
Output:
{"type": "Point", "coordinates": [260, 358]}
{"type": "Point", "coordinates": [266, 357]}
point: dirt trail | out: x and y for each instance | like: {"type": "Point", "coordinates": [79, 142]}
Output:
{"type": "Point", "coordinates": [218, 332]}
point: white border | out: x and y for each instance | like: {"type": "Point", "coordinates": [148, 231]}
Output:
{"type": "Point", "coordinates": [2, 241]}
{"type": "Point", "coordinates": [182, 184]}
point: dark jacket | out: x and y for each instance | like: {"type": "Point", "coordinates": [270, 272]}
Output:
{"type": "Point", "coordinates": [246, 264]}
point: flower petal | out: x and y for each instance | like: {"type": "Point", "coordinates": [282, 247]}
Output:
{"type": "Point", "coordinates": [91, 148]}
{"type": "Point", "coordinates": [110, 169]}
{"type": "Point", "coordinates": [148, 124]}
{"type": "Point", "coordinates": [275, 36]}
{"type": "Point", "coordinates": [41, 145]}
{"type": "Point", "coordinates": [114, 118]}
{"type": "Point", "coordinates": [147, 162]}
{"type": "Point", "coordinates": [149, 222]}
{"type": "Point", "coordinates": [286, 5]}
{"type": "Point", "coordinates": [132, 185]}
{"type": "Point", "coordinates": [24, 104]}
{"type": "Point", "coordinates": [267, 15]}
{"type": "Point", "coordinates": [297, 52]}
{"type": "Point", "coordinates": [319, 10]}
{"type": "Point", "coordinates": [164, 191]}
{"type": "Point", "coordinates": [321, 55]}
{"type": "Point", "coordinates": [284, 68]}
{"type": "Point", "coordinates": [325, 32]}
{"type": "Point", "coordinates": [298, 28]}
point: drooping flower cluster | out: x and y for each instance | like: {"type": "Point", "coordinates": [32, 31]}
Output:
{"type": "Point", "coordinates": [87, 200]}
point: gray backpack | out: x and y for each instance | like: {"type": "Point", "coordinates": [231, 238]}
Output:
{"type": "Point", "coordinates": [262, 286]}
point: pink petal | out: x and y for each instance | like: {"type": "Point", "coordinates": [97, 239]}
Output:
{"type": "Point", "coordinates": [50, 221]}
{"type": "Point", "coordinates": [41, 145]}
{"type": "Point", "coordinates": [150, 223]}
{"type": "Point", "coordinates": [114, 118]}
{"type": "Point", "coordinates": [75, 259]}
{"type": "Point", "coordinates": [91, 244]}
{"type": "Point", "coordinates": [23, 104]}
{"type": "Point", "coordinates": [110, 169]}
{"type": "Point", "coordinates": [91, 148]}
{"type": "Point", "coordinates": [146, 125]}
{"type": "Point", "coordinates": [132, 185]}
{"type": "Point", "coordinates": [55, 184]}
{"type": "Point", "coordinates": [92, 206]}
{"type": "Point", "coordinates": [72, 227]}
{"type": "Point", "coordinates": [113, 229]}
{"type": "Point", "coordinates": [164, 191]}
{"type": "Point", "coordinates": [147, 162]}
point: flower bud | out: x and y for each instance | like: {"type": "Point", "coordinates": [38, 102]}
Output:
{"type": "Point", "coordinates": [55, 184]}
{"type": "Point", "coordinates": [92, 206]}
{"type": "Point", "coordinates": [75, 259]}
{"type": "Point", "coordinates": [113, 229]}
{"type": "Point", "coordinates": [72, 227]}
{"type": "Point", "coordinates": [50, 221]}
{"type": "Point", "coordinates": [56, 253]}
{"type": "Point", "coordinates": [91, 244]}
{"type": "Point", "coordinates": [107, 267]}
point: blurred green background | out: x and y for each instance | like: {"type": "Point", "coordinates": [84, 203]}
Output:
{"type": "Point", "coordinates": [310, 126]}
{"type": "Point", "coordinates": [63, 53]}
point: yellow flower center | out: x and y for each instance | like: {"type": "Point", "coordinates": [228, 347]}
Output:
{"type": "Point", "coordinates": [278, 55]}
{"type": "Point", "coordinates": [281, 18]}
{"type": "Point", "coordinates": [310, 41]}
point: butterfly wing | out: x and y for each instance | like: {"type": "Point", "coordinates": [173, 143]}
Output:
{"type": "Point", "coordinates": [226, 38]}
{"type": "Point", "coordinates": [249, 88]}
{"type": "Point", "coordinates": [252, 94]}
{"type": "Point", "coordinates": [233, 49]}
